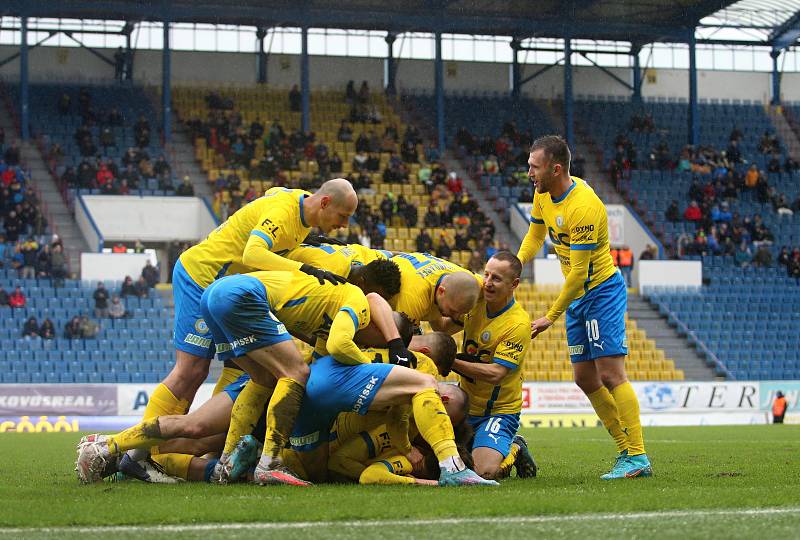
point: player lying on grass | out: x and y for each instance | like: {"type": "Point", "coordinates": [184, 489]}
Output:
{"type": "Point", "coordinates": [249, 314]}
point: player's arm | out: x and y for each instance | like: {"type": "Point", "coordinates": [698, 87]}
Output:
{"type": "Point", "coordinates": [263, 238]}
{"type": "Point", "coordinates": [397, 425]}
{"type": "Point", "coordinates": [509, 352]}
{"type": "Point", "coordinates": [534, 239]}
{"type": "Point", "coordinates": [473, 368]}
{"type": "Point", "coordinates": [446, 324]}
{"type": "Point", "coordinates": [340, 342]}
{"type": "Point", "coordinates": [381, 313]}
{"type": "Point", "coordinates": [388, 472]}
{"type": "Point", "coordinates": [583, 232]}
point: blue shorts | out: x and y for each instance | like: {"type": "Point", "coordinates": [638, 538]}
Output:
{"type": "Point", "coordinates": [238, 314]}
{"type": "Point", "coordinates": [235, 388]}
{"type": "Point", "coordinates": [596, 322]}
{"type": "Point", "coordinates": [495, 432]}
{"type": "Point", "coordinates": [334, 388]}
{"type": "Point", "coordinates": [191, 333]}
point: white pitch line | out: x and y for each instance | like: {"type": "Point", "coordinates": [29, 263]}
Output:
{"type": "Point", "coordinates": [288, 525]}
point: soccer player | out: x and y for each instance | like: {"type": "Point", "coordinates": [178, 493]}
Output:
{"type": "Point", "coordinates": [435, 290]}
{"type": "Point", "coordinates": [338, 259]}
{"type": "Point", "coordinates": [496, 342]}
{"type": "Point", "coordinates": [248, 240]}
{"type": "Point", "coordinates": [594, 296]}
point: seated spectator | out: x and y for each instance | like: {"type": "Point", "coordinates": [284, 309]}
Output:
{"type": "Point", "coordinates": [490, 165]}
{"type": "Point", "coordinates": [650, 253]}
{"type": "Point", "coordinates": [140, 287]}
{"type": "Point", "coordinates": [475, 263]}
{"type": "Point", "coordinates": [774, 164]}
{"type": "Point", "coordinates": [424, 242]}
{"type": "Point", "coordinates": [335, 163]}
{"type": "Point", "coordinates": [345, 133]}
{"type": "Point", "coordinates": [185, 189]}
{"type": "Point", "coordinates": [673, 214]}
{"type": "Point", "coordinates": [47, 330]}
{"type": "Point", "coordinates": [454, 183]}
{"type": "Point", "coordinates": [100, 296]}
{"type": "Point", "coordinates": [31, 328]}
{"type": "Point", "coordinates": [17, 298]}
{"type": "Point", "coordinates": [443, 248]}
{"type": "Point", "coordinates": [693, 212]}
{"type": "Point", "coordinates": [72, 330]}
{"type": "Point", "coordinates": [733, 153]}
{"type": "Point", "coordinates": [743, 256]}
{"type": "Point", "coordinates": [119, 247]}
{"type": "Point", "coordinates": [150, 274]}
{"type": "Point", "coordinates": [295, 99]}
{"type": "Point", "coordinates": [128, 288]}
{"type": "Point", "coordinates": [763, 257]}
{"type": "Point", "coordinates": [117, 309]}
{"type": "Point", "coordinates": [783, 258]}
{"type": "Point", "coordinates": [89, 328]}
{"type": "Point", "coordinates": [29, 250]}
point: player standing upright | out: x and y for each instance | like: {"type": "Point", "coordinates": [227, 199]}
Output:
{"type": "Point", "coordinates": [594, 296]}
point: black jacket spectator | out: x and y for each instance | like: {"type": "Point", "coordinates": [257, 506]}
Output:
{"type": "Point", "coordinates": [424, 242]}
{"type": "Point", "coordinates": [72, 330]}
{"type": "Point", "coordinates": [47, 330]}
{"type": "Point", "coordinates": [128, 288]}
{"type": "Point", "coordinates": [100, 301]}
{"type": "Point", "coordinates": [673, 213]}
{"type": "Point", "coordinates": [30, 328]}
{"type": "Point", "coordinates": [150, 274]}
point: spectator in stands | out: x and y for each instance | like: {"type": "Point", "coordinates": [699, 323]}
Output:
{"type": "Point", "coordinates": [150, 274]}
{"type": "Point", "coordinates": [433, 216]}
{"type": "Point", "coordinates": [58, 265]}
{"type": "Point", "coordinates": [89, 329]}
{"type": "Point", "coordinates": [363, 92]}
{"type": "Point", "coordinates": [43, 265]}
{"type": "Point", "coordinates": [13, 226]}
{"type": "Point", "coordinates": [475, 263]}
{"type": "Point", "coordinates": [47, 330]}
{"type": "Point", "coordinates": [17, 298]}
{"type": "Point", "coordinates": [409, 213]}
{"type": "Point", "coordinates": [142, 132]}
{"type": "Point", "coordinates": [360, 161]}
{"type": "Point", "coordinates": [63, 104]}
{"type": "Point", "coordinates": [693, 212]}
{"type": "Point", "coordinates": [335, 163]}
{"type": "Point", "coordinates": [454, 183]}
{"type": "Point", "coordinates": [161, 167]}
{"type": "Point", "coordinates": [141, 287]}
{"type": "Point", "coordinates": [3, 297]}
{"type": "Point", "coordinates": [733, 153]}
{"type": "Point", "coordinates": [672, 213]}
{"type": "Point", "coordinates": [117, 308]}
{"type": "Point", "coordinates": [424, 242]}
{"type": "Point", "coordinates": [12, 155]}
{"type": "Point", "coordinates": [128, 288]}
{"type": "Point", "coordinates": [107, 138]}
{"type": "Point", "coordinates": [794, 265]}
{"type": "Point", "coordinates": [784, 258]}
{"type": "Point", "coordinates": [763, 257]}
{"type": "Point", "coordinates": [768, 143]}
{"type": "Point", "coordinates": [345, 133]}
{"type": "Point", "coordinates": [31, 328]}
{"type": "Point", "coordinates": [387, 207]}
{"type": "Point", "coordinates": [774, 164]}
{"type": "Point", "coordinates": [100, 296]}
{"type": "Point", "coordinates": [350, 94]}
{"type": "Point", "coordinates": [625, 263]}
{"type": "Point", "coordinates": [29, 250]}
{"type": "Point", "coordinates": [295, 99]}
{"type": "Point", "coordinates": [119, 247]}
{"type": "Point", "coordinates": [443, 248]}
{"type": "Point", "coordinates": [650, 253]}
{"type": "Point", "coordinates": [186, 189]}
{"type": "Point", "coordinates": [72, 330]}
{"type": "Point", "coordinates": [743, 256]}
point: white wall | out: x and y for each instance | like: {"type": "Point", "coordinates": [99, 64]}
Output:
{"type": "Point", "coordinates": [669, 274]}
{"type": "Point", "coordinates": [87, 226]}
{"type": "Point", "coordinates": [68, 63]}
{"type": "Point", "coordinates": [112, 266]}
{"type": "Point", "coordinates": [150, 219]}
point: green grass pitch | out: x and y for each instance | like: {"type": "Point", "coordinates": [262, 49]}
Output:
{"type": "Point", "coordinates": [710, 482]}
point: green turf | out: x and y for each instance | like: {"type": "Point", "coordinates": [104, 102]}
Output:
{"type": "Point", "coordinates": [745, 467]}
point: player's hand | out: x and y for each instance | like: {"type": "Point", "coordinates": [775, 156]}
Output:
{"type": "Point", "coordinates": [466, 357]}
{"type": "Point", "coordinates": [415, 457]}
{"type": "Point", "coordinates": [399, 355]}
{"type": "Point", "coordinates": [317, 240]}
{"type": "Point", "coordinates": [322, 275]}
{"type": "Point", "coordinates": [540, 325]}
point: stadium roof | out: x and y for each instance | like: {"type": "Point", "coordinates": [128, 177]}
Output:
{"type": "Point", "coordinates": [640, 21]}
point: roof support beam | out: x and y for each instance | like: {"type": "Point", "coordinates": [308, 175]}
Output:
{"type": "Point", "coordinates": [607, 72]}
{"type": "Point", "coordinates": [786, 34]}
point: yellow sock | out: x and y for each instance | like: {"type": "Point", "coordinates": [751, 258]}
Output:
{"type": "Point", "coordinates": [227, 376]}
{"type": "Point", "coordinates": [281, 414]}
{"type": "Point", "coordinates": [143, 435]}
{"type": "Point", "coordinates": [162, 403]}
{"type": "Point", "coordinates": [508, 461]}
{"type": "Point", "coordinates": [175, 464]}
{"type": "Point", "coordinates": [606, 408]}
{"type": "Point", "coordinates": [628, 406]}
{"type": "Point", "coordinates": [434, 424]}
{"type": "Point", "coordinates": [246, 411]}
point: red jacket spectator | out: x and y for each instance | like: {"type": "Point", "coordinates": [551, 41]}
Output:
{"type": "Point", "coordinates": [8, 176]}
{"type": "Point", "coordinates": [693, 212]}
{"type": "Point", "coordinates": [104, 176]}
{"type": "Point", "coordinates": [454, 183]}
{"type": "Point", "coordinates": [17, 299]}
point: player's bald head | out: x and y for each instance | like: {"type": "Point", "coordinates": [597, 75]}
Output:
{"type": "Point", "coordinates": [460, 291]}
{"type": "Point", "coordinates": [340, 191]}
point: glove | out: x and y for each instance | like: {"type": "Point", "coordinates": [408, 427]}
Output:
{"type": "Point", "coordinates": [317, 240]}
{"type": "Point", "coordinates": [466, 357]}
{"type": "Point", "coordinates": [399, 355]}
{"type": "Point", "coordinates": [322, 275]}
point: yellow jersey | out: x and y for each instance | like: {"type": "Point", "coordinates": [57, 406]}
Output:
{"type": "Point", "coordinates": [420, 274]}
{"type": "Point", "coordinates": [331, 313]}
{"type": "Point", "coordinates": [337, 259]}
{"type": "Point", "coordinates": [497, 338]}
{"type": "Point", "coordinates": [424, 363]}
{"type": "Point", "coordinates": [274, 222]}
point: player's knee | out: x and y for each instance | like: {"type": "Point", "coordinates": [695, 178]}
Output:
{"type": "Point", "coordinates": [300, 372]}
{"type": "Point", "coordinates": [487, 470]}
{"type": "Point", "coordinates": [612, 379]}
{"type": "Point", "coordinates": [424, 382]}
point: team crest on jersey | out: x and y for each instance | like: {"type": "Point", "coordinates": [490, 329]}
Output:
{"type": "Point", "coordinates": [560, 221]}
{"type": "Point", "coordinates": [200, 326]}
{"type": "Point", "coordinates": [486, 336]}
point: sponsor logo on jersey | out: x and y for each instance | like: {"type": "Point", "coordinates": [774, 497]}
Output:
{"type": "Point", "coordinates": [305, 439]}
{"type": "Point", "coordinates": [364, 394]}
{"type": "Point", "coordinates": [560, 221]}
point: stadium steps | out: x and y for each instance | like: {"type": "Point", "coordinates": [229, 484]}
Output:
{"type": "Point", "coordinates": [182, 156]}
{"type": "Point", "coordinates": [785, 131]}
{"type": "Point", "coordinates": [594, 173]}
{"type": "Point", "coordinates": [674, 346]}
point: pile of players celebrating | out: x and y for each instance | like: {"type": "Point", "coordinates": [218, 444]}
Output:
{"type": "Point", "coordinates": [365, 406]}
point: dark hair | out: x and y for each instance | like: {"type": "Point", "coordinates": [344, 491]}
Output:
{"type": "Point", "coordinates": [443, 351]}
{"type": "Point", "coordinates": [513, 260]}
{"type": "Point", "coordinates": [555, 148]}
{"type": "Point", "coordinates": [384, 274]}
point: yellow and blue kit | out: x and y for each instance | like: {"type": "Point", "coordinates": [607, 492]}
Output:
{"type": "Point", "coordinates": [249, 240]}
{"type": "Point", "coordinates": [249, 311]}
{"type": "Point", "coordinates": [420, 275]}
{"type": "Point", "coordinates": [594, 294]}
{"type": "Point", "coordinates": [337, 259]}
{"type": "Point", "coordinates": [371, 458]}
{"type": "Point", "coordinates": [496, 338]}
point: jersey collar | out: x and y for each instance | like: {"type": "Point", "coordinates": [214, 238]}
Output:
{"type": "Point", "coordinates": [302, 213]}
{"type": "Point", "coordinates": [564, 195]}
{"type": "Point", "coordinates": [508, 306]}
